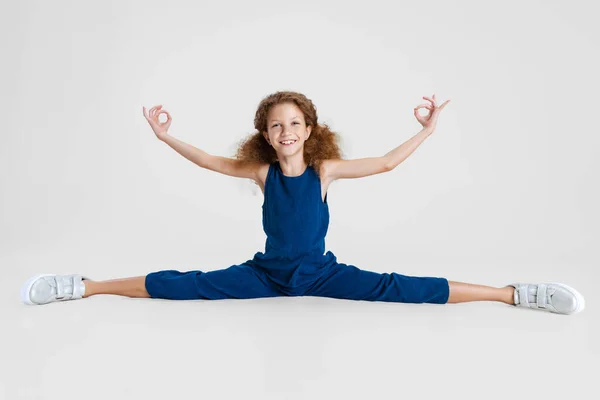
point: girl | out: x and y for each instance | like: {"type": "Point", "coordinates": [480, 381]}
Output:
{"type": "Point", "coordinates": [293, 159]}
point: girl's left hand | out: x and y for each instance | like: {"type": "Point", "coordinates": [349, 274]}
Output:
{"type": "Point", "coordinates": [429, 121]}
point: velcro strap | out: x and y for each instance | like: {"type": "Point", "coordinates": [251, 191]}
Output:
{"type": "Point", "coordinates": [524, 296]}
{"type": "Point", "coordinates": [60, 289]}
{"type": "Point", "coordinates": [541, 295]}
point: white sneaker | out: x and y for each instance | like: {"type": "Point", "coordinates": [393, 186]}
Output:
{"type": "Point", "coordinates": [48, 288]}
{"type": "Point", "coordinates": [554, 297]}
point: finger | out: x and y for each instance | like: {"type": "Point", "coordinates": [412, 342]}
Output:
{"type": "Point", "coordinates": [430, 99]}
{"type": "Point", "coordinates": [158, 115]}
{"type": "Point", "coordinates": [443, 105]}
{"type": "Point", "coordinates": [427, 106]}
{"type": "Point", "coordinates": [418, 116]}
{"type": "Point", "coordinates": [147, 114]}
{"type": "Point", "coordinates": [168, 121]}
{"type": "Point", "coordinates": [151, 112]}
{"type": "Point", "coordinates": [154, 109]}
{"type": "Point", "coordinates": [144, 112]}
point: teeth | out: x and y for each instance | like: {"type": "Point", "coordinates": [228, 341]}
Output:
{"type": "Point", "coordinates": [288, 142]}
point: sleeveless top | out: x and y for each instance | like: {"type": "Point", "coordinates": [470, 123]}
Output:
{"type": "Point", "coordinates": [295, 220]}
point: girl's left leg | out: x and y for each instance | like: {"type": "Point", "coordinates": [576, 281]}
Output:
{"type": "Point", "coordinates": [461, 292]}
{"type": "Point", "coordinates": [349, 282]}
{"type": "Point", "coordinates": [345, 281]}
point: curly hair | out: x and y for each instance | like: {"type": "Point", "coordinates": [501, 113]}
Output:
{"type": "Point", "coordinates": [321, 145]}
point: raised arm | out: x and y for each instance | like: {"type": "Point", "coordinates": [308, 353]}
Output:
{"type": "Point", "coordinates": [361, 167]}
{"type": "Point", "coordinates": [429, 122]}
{"type": "Point", "coordinates": [401, 153]}
{"type": "Point", "coordinates": [223, 165]}
{"type": "Point", "coordinates": [345, 169]}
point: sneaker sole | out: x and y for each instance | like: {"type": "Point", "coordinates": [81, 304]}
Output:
{"type": "Point", "coordinates": [578, 296]}
{"type": "Point", "coordinates": [26, 289]}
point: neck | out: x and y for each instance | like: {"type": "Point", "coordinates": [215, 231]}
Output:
{"type": "Point", "coordinates": [292, 167]}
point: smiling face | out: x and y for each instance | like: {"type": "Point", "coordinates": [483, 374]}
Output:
{"type": "Point", "coordinates": [285, 122]}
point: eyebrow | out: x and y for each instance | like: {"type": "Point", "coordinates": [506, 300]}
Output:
{"type": "Point", "coordinates": [273, 120]}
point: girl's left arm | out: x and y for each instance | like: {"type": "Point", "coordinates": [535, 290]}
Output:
{"type": "Point", "coordinates": [350, 169]}
{"type": "Point", "coordinates": [429, 122]}
{"type": "Point", "coordinates": [400, 153]}
{"type": "Point", "coordinates": [344, 169]}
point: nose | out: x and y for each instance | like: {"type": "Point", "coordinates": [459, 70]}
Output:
{"type": "Point", "coordinates": [288, 129]}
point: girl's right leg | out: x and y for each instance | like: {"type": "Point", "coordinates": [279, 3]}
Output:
{"type": "Point", "coordinates": [130, 287]}
{"type": "Point", "coordinates": [236, 282]}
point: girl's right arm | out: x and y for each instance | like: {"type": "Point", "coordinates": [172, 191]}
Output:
{"type": "Point", "coordinates": [223, 165]}
{"type": "Point", "coordinates": [195, 155]}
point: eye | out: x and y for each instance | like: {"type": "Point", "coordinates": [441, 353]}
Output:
{"type": "Point", "coordinates": [295, 122]}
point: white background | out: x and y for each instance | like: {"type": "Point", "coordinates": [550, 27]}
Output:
{"type": "Point", "coordinates": [505, 190]}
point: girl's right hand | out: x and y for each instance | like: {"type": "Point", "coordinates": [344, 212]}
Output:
{"type": "Point", "coordinates": [159, 128]}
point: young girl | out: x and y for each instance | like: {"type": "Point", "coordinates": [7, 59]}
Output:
{"type": "Point", "coordinates": [293, 159]}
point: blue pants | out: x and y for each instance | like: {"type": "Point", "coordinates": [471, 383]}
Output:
{"type": "Point", "coordinates": [340, 281]}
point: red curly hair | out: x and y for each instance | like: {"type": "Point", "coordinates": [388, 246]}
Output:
{"type": "Point", "coordinates": [321, 145]}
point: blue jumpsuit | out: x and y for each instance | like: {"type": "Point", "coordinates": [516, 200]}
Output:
{"type": "Point", "coordinates": [295, 220]}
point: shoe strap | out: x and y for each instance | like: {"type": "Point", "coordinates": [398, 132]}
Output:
{"type": "Point", "coordinates": [524, 295]}
{"type": "Point", "coordinates": [541, 295]}
{"type": "Point", "coordinates": [60, 289]}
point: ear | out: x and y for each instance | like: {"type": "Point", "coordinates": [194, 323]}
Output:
{"type": "Point", "coordinates": [309, 128]}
